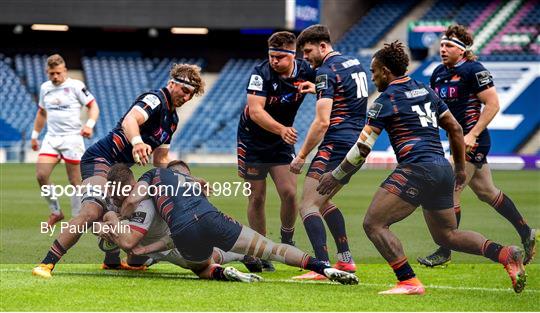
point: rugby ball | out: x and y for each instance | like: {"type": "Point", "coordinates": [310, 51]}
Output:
{"type": "Point", "coordinates": [107, 246]}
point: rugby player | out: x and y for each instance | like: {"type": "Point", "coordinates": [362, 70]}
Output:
{"type": "Point", "coordinates": [266, 135]}
{"type": "Point", "coordinates": [465, 84]}
{"type": "Point", "coordinates": [197, 227]}
{"type": "Point", "coordinates": [341, 87]}
{"type": "Point", "coordinates": [411, 112]}
{"type": "Point", "coordinates": [148, 237]}
{"type": "Point", "coordinates": [60, 102]}
{"type": "Point", "coordinates": [146, 128]}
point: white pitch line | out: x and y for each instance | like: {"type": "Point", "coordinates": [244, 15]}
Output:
{"type": "Point", "coordinates": [324, 282]}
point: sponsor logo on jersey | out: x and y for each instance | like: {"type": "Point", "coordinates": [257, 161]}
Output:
{"type": "Point", "coordinates": [374, 110]}
{"type": "Point", "coordinates": [483, 78]}
{"type": "Point", "coordinates": [255, 83]}
{"type": "Point", "coordinates": [138, 217]}
{"type": "Point", "coordinates": [275, 85]}
{"type": "Point", "coordinates": [152, 100]}
{"type": "Point", "coordinates": [350, 63]}
{"type": "Point", "coordinates": [416, 93]}
{"type": "Point", "coordinates": [412, 192]}
{"type": "Point", "coordinates": [85, 91]}
{"type": "Point", "coordinates": [321, 82]}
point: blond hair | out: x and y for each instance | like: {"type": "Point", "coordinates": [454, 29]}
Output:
{"type": "Point", "coordinates": [55, 60]}
{"type": "Point", "coordinates": [189, 72]}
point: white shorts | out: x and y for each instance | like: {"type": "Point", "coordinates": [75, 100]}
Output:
{"type": "Point", "coordinates": [70, 148]}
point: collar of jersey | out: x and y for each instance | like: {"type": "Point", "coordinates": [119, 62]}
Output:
{"type": "Point", "coordinates": [167, 95]}
{"type": "Point", "coordinates": [329, 55]}
{"type": "Point", "coordinates": [399, 80]}
{"type": "Point", "coordinates": [459, 63]}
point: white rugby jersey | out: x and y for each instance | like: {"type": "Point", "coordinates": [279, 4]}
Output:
{"type": "Point", "coordinates": [63, 105]}
{"type": "Point", "coordinates": [146, 221]}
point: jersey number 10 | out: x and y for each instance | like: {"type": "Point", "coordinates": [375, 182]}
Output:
{"type": "Point", "coordinates": [361, 84]}
{"type": "Point", "coordinates": [427, 116]}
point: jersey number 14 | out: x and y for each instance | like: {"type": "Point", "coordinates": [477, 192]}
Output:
{"type": "Point", "coordinates": [361, 84]}
{"type": "Point", "coordinates": [426, 117]}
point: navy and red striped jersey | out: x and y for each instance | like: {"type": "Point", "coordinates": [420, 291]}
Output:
{"type": "Point", "coordinates": [161, 122]}
{"type": "Point", "coordinates": [409, 111]}
{"type": "Point", "coordinates": [344, 80]}
{"type": "Point", "coordinates": [459, 86]}
{"type": "Point", "coordinates": [177, 198]}
{"type": "Point", "coordinates": [282, 99]}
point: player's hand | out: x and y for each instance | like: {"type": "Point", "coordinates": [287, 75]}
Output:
{"type": "Point", "coordinates": [289, 135]}
{"type": "Point", "coordinates": [139, 250]}
{"type": "Point", "coordinates": [141, 153]}
{"type": "Point", "coordinates": [35, 144]}
{"type": "Point", "coordinates": [297, 164]}
{"type": "Point", "coordinates": [470, 142]}
{"type": "Point", "coordinates": [306, 87]}
{"type": "Point", "coordinates": [87, 132]}
{"type": "Point", "coordinates": [461, 177]}
{"type": "Point", "coordinates": [327, 184]}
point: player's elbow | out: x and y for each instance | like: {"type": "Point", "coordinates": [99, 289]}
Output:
{"type": "Point", "coordinates": [128, 243]}
{"type": "Point", "coordinates": [322, 123]}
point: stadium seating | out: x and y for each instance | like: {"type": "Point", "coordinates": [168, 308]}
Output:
{"type": "Point", "coordinates": [31, 69]}
{"type": "Point", "coordinates": [17, 107]}
{"type": "Point", "coordinates": [372, 26]}
{"type": "Point", "coordinates": [519, 34]}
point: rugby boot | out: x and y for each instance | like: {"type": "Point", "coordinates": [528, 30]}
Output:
{"type": "Point", "coordinates": [253, 264]}
{"type": "Point", "coordinates": [512, 259]}
{"type": "Point", "coordinates": [529, 245]}
{"type": "Point", "coordinates": [232, 274]}
{"type": "Point", "coordinates": [344, 266]}
{"type": "Point", "coordinates": [441, 257]}
{"type": "Point", "coordinates": [341, 277]}
{"type": "Point", "coordinates": [43, 270]}
{"type": "Point", "coordinates": [411, 286]}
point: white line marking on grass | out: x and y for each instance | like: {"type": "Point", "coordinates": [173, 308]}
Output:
{"type": "Point", "coordinates": [113, 273]}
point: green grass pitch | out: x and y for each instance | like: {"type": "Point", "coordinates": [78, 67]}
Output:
{"type": "Point", "coordinates": [470, 283]}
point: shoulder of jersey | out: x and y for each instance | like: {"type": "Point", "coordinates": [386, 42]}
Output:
{"type": "Point", "coordinates": [151, 99]}
{"type": "Point", "coordinates": [47, 85]}
{"type": "Point", "coordinates": [75, 82]}
{"type": "Point", "coordinates": [263, 69]}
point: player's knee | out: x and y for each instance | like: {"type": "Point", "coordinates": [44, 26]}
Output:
{"type": "Point", "coordinates": [256, 202]}
{"type": "Point", "coordinates": [486, 195]}
{"type": "Point", "coordinates": [288, 195]}
{"type": "Point", "coordinates": [42, 177]}
{"type": "Point", "coordinates": [369, 225]}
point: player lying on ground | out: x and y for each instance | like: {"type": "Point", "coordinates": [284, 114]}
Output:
{"type": "Point", "coordinates": [60, 102]}
{"type": "Point", "coordinates": [411, 112]}
{"type": "Point", "coordinates": [465, 84]}
{"type": "Point", "coordinates": [197, 227]}
{"type": "Point", "coordinates": [146, 128]}
{"type": "Point", "coordinates": [147, 240]}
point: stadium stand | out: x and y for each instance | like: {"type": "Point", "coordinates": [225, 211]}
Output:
{"type": "Point", "coordinates": [17, 107]}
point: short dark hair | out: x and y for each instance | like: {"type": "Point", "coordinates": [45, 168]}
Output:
{"type": "Point", "coordinates": [461, 33]}
{"type": "Point", "coordinates": [281, 40]}
{"type": "Point", "coordinates": [175, 163]}
{"type": "Point", "coordinates": [314, 34]}
{"type": "Point", "coordinates": [394, 57]}
{"type": "Point", "coordinates": [120, 172]}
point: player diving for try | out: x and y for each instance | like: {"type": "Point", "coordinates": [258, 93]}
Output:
{"type": "Point", "coordinates": [197, 227]}
{"type": "Point", "coordinates": [145, 129]}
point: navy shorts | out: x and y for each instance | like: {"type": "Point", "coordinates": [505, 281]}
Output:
{"type": "Point", "coordinates": [328, 158]}
{"type": "Point", "coordinates": [196, 242]}
{"type": "Point", "coordinates": [255, 163]}
{"type": "Point", "coordinates": [95, 167]}
{"type": "Point", "coordinates": [430, 185]}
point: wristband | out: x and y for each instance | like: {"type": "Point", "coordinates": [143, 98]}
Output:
{"type": "Point", "coordinates": [339, 173]}
{"type": "Point", "coordinates": [136, 140]}
{"type": "Point", "coordinates": [90, 123]}
{"type": "Point", "coordinates": [35, 134]}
